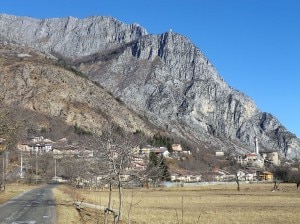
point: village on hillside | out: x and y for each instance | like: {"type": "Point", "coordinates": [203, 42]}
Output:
{"type": "Point", "coordinates": [249, 167]}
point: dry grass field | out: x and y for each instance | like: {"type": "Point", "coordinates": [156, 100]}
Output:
{"type": "Point", "coordinates": [255, 203]}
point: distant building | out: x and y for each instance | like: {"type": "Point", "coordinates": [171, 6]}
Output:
{"type": "Point", "coordinates": [264, 175]}
{"type": "Point", "coordinates": [161, 151]}
{"type": "Point", "coordinates": [271, 157]}
{"type": "Point", "coordinates": [251, 160]}
{"type": "Point", "coordinates": [219, 154]}
{"type": "Point", "coordinates": [186, 177]}
{"type": "Point", "coordinates": [176, 148]}
{"type": "Point", "coordinates": [36, 145]}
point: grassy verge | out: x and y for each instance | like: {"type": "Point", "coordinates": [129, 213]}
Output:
{"type": "Point", "coordinates": [65, 210]}
{"type": "Point", "coordinates": [13, 190]}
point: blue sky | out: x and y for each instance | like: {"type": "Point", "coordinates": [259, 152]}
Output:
{"type": "Point", "coordinates": [254, 44]}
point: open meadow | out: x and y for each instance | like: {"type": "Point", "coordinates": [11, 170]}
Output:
{"type": "Point", "coordinates": [254, 203]}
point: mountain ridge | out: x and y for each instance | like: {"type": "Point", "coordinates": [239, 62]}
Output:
{"type": "Point", "coordinates": [163, 77]}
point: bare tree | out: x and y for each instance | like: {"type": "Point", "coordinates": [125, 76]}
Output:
{"type": "Point", "coordinates": [116, 153]}
{"type": "Point", "coordinates": [236, 169]}
{"type": "Point", "coordinates": [115, 150]}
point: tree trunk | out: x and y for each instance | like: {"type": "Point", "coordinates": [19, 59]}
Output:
{"type": "Point", "coordinates": [130, 206]}
{"type": "Point", "coordinates": [109, 203]}
{"type": "Point", "coordinates": [237, 181]}
{"type": "Point", "coordinates": [275, 188]}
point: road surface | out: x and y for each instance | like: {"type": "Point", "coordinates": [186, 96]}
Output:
{"type": "Point", "coordinates": [36, 206]}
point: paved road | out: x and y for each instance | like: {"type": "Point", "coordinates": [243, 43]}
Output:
{"type": "Point", "coordinates": [33, 207]}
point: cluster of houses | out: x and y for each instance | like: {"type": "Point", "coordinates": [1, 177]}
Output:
{"type": "Point", "coordinates": [40, 145]}
{"type": "Point", "coordinates": [219, 175]}
{"type": "Point", "coordinates": [253, 163]}
{"type": "Point", "coordinates": [250, 175]}
{"type": "Point", "coordinates": [163, 151]}
{"type": "Point", "coordinates": [36, 145]}
{"type": "Point", "coordinates": [258, 160]}
{"type": "Point", "coordinates": [43, 145]}
{"type": "Point", "coordinates": [186, 176]}
{"type": "Point", "coordinates": [141, 156]}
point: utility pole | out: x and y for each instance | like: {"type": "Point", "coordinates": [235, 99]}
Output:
{"type": "Point", "coordinates": [6, 165]}
{"type": "Point", "coordinates": [3, 172]}
{"type": "Point", "coordinates": [36, 166]}
{"type": "Point", "coordinates": [4, 168]}
{"type": "Point", "coordinates": [6, 161]}
{"type": "Point", "coordinates": [21, 169]}
{"type": "Point", "coordinates": [55, 170]}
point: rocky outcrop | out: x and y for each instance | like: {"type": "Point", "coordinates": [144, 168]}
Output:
{"type": "Point", "coordinates": [34, 82]}
{"type": "Point", "coordinates": [163, 77]}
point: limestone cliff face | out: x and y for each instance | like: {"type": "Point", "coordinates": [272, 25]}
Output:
{"type": "Point", "coordinates": [71, 36]}
{"type": "Point", "coordinates": [171, 82]}
{"type": "Point", "coordinates": [162, 77]}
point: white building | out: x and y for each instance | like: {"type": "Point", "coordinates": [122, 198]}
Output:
{"type": "Point", "coordinates": [36, 145]}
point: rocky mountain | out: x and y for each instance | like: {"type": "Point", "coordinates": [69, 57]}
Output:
{"type": "Point", "coordinates": [35, 82]}
{"type": "Point", "coordinates": [164, 78]}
